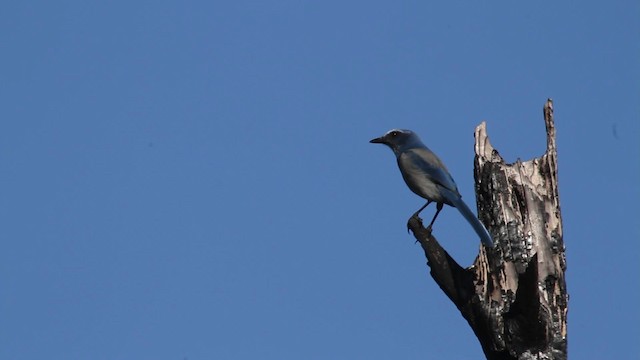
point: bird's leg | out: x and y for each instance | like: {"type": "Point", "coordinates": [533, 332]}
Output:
{"type": "Point", "coordinates": [422, 208]}
{"type": "Point", "coordinates": [438, 209]}
{"type": "Point", "coordinates": [415, 214]}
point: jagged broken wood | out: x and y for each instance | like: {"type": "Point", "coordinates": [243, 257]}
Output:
{"type": "Point", "coordinates": [514, 296]}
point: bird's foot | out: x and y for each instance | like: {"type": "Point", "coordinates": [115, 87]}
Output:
{"type": "Point", "coordinates": [417, 218]}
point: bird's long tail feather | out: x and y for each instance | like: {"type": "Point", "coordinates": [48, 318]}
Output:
{"type": "Point", "coordinates": [471, 218]}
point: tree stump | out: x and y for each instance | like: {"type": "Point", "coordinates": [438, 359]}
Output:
{"type": "Point", "coordinates": [514, 296]}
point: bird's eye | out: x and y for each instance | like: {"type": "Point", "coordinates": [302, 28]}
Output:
{"type": "Point", "coordinates": [394, 133]}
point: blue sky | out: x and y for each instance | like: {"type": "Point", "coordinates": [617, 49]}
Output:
{"type": "Point", "coordinates": [193, 180]}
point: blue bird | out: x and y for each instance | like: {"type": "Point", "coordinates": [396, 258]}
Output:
{"type": "Point", "coordinates": [426, 175]}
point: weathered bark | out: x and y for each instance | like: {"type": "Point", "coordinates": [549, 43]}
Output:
{"type": "Point", "coordinates": [514, 296]}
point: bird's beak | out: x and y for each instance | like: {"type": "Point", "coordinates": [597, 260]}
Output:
{"type": "Point", "coordinates": [378, 140]}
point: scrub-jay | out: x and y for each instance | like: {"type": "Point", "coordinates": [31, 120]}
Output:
{"type": "Point", "coordinates": [427, 176]}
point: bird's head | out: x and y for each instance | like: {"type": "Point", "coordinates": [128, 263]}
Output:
{"type": "Point", "coordinates": [398, 140]}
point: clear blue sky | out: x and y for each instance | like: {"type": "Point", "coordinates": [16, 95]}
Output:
{"type": "Point", "coordinates": [193, 179]}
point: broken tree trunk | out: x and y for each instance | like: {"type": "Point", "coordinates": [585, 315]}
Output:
{"type": "Point", "coordinates": [514, 296]}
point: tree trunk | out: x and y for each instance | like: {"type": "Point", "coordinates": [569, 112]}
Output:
{"type": "Point", "coordinates": [514, 296]}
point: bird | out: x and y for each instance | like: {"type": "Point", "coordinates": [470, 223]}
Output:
{"type": "Point", "coordinates": [427, 176]}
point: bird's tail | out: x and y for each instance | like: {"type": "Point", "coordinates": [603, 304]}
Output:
{"type": "Point", "coordinates": [471, 219]}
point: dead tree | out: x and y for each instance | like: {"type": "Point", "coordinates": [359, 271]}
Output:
{"type": "Point", "coordinates": [514, 296]}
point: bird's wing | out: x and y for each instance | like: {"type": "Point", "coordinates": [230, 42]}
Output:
{"type": "Point", "coordinates": [426, 162]}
